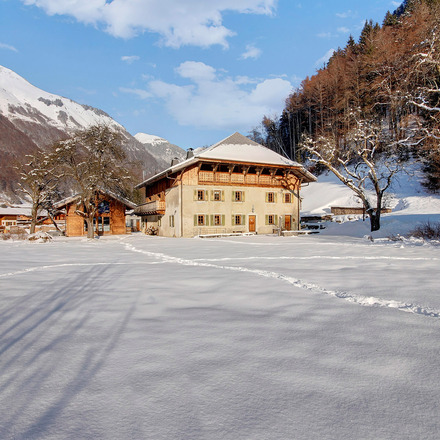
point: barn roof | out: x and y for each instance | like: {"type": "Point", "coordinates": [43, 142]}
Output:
{"type": "Point", "coordinates": [76, 197]}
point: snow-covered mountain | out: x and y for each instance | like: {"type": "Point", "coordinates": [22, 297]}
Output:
{"type": "Point", "coordinates": [31, 118]}
{"type": "Point", "coordinates": [160, 148]}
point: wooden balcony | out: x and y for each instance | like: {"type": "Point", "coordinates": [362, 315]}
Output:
{"type": "Point", "coordinates": [206, 177]}
{"type": "Point", "coordinates": [151, 208]}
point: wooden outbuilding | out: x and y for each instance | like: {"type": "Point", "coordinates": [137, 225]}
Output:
{"type": "Point", "coordinates": [109, 218]}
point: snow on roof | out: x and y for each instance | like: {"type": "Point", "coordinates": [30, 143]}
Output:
{"type": "Point", "coordinates": [75, 197]}
{"type": "Point", "coordinates": [236, 148]}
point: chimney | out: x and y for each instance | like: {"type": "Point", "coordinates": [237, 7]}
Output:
{"type": "Point", "coordinates": [174, 161]}
{"type": "Point", "coordinates": [189, 153]}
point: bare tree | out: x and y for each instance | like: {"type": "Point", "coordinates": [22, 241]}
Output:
{"type": "Point", "coordinates": [38, 180]}
{"type": "Point", "coordinates": [360, 165]}
{"type": "Point", "coordinates": [93, 161]}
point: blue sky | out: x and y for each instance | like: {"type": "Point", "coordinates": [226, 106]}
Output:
{"type": "Point", "coordinates": [191, 71]}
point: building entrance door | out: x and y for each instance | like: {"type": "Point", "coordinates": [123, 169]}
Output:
{"type": "Point", "coordinates": [287, 222]}
{"type": "Point", "coordinates": [252, 227]}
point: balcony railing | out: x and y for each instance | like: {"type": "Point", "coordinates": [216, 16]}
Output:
{"type": "Point", "coordinates": [151, 208]}
{"type": "Point", "coordinates": [239, 178]}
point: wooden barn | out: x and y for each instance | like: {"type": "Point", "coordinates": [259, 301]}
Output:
{"type": "Point", "coordinates": [109, 219]}
{"type": "Point", "coordinates": [234, 186]}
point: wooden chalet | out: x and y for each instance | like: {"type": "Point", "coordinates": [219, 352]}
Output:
{"type": "Point", "coordinates": [234, 186]}
{"type": "Point", "coordinates": [109, 219]}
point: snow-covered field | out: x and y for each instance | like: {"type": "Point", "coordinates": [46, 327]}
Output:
{"type": "Point", "coordinates": [313, 337]}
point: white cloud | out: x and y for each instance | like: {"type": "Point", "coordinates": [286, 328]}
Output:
{"type": "Point", "coordinates": [324, 35]}
{"type": "Point", "coordinates": [179, 22]}
{"type": "Point", "coordinates": [396, 4]}
{"type": "Point", "coordinates": [8, 47]}
{"type": "Point", "coordinates": [130, 58]}
{"type": "Point", "coordinates": [143, 94]}
{"type": "Point", "coordinates": [214, 100]}
{"type": "Point", "coordinates": [251, 52]}
{"type": "Point", "coordinates": [346, 14]}
{"type": "Point", "coordinates": [343, 30]}
{"type": "Point", "coordinates": [324, 59]}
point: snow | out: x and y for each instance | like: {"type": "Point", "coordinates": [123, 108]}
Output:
{"type": "Point", "coordinates": [260, 337]}
{"type": "Point", "coordinates": [16, 91]}
{"type": "Point", "coordinates": [150, 139]}
{"type": "Point", "coordinates": [411, 205]}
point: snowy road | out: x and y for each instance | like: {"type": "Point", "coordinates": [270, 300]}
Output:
{"type": "Point", "coordinates": [239, 338]}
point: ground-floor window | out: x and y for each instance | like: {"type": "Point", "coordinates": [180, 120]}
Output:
{"type": "Point", "coordinates": [200, 220]}
{"type": "Point", "coordinates": [171, 221]}
{"type": "Point", "coordinates": [271, 219]}
{"type": "Point", "coordinates": [217, 220]}
{"type": "Point", "coordinates": [238, 219]}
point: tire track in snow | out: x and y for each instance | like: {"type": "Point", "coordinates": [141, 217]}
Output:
{"type": "Point", "coordinates": [368, 301]}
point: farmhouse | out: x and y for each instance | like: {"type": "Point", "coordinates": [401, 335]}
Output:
{"type": "Point", "coordinates": [109, 219]}
{"type": "Point", "coordinates": [236, 185]}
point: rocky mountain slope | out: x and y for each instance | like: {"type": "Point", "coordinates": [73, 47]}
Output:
{"type": "Point", "coordinates": [31, 118]}
{"type": "Point", "coordinates": [160, 148]}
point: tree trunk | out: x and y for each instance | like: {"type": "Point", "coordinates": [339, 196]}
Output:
{"type": "Point", "coordinates": [374, 220]}
{"type": "Point", "coordinates": [34, 217]}
{"type": "Point", "coordinates": [90, 231]}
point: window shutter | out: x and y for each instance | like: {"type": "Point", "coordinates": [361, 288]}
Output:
{"type": "Point", "coordinates": [206, 220]}
{"type": "Point", "coordinates": [212, 194]}
{"type": "Point", "coordinates": [212, 220]}
{"type": "Point", "coordinates": [267, 219]}
{"type": "Point", "coordinates": [243, 219]}
{"type": "Point", "coordinates": [223, 219]}
{"type": "Point", "coordinates": [275, 197]}
{"type": "Point", "coordinates": [206, 198]}
{"type": "Point", "coordinates": [233, 220]}
{"type": "Point", "coordinates": [223, 195]}
{"type": "Point", "coordinates": [195, 219]}
{"type": "Point", "coordinates": [233, 196]}
{"type": "Point", "coordinates": [195, 194]}
{"type": "Point", "coordinates": [242, 196]}
{"type": "Point", "coordinates": [276, 220]}
{"type": "Point", "coordinates": [267, 197]}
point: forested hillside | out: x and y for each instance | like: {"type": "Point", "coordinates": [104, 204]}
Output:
{"type": "Point", "coordinates": [389, 78]}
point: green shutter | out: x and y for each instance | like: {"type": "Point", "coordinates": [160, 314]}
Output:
{"type": "Point", "coordinates": [233, 196]}
{"type": "Point", "coordinates": [275, 197]}
{"type": "Point", "coordinates": [206, 217]}
{"type": "Point", "coordinates": [223, 196]}
{"type": "Point", "coordinates": [267, 197]}
{"type": "Point", "coordinates": [212, 194]}
{"type": "Point", "coordinates": [206, 195]}
{"type": "Point", "coordinates": [242, 196]}
{"type": "Point", "coordinates": [223, 219]}
{"type": "Point", "coordinates": [212, 220]}
{"type": "Point", "coordinates": [276, 220]}
{"type": "Point", "coordinates": [195, 220]}
{"type": "Point", "coordinates": [267, 219]}
{"type": "Point", "coordinates": [243, 219]}
{"type": "Point", "coordinates": [195, 194]}
{"type": "Point", "coordinates": [233, 220]}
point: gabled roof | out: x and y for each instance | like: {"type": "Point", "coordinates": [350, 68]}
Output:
{"type": "Point", "coordinates": [236, 148]}
{"type": "Point", "coordinates": [76, 197]}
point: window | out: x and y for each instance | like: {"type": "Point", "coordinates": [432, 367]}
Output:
{"type": "Point", "coordinates": [271, 219]}
{"type": "Point", "coordinates": [238, 196]}
{"type": "Point", "coordinates": [200, 195]}
{"type": "Point", "coordinates": [238, 219]}
{"type": "Point", "coordinates": [287, 198]}
{"type": "Point", "coordinates": [217, 220]}
{"type": "Point", "coordinates": [171, 221]}
{"type": "Point", "coordinates": [271, 197]}
{"type": "Point", "coordinates": [217, 195]}
{"type": "Point", "coordinates": [200, 220]}
{"type": "Point", "coordinates": [104, 207]}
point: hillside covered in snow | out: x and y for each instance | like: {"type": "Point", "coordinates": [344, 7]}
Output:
{"type": "Point", "coordinates": [411, 206]}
